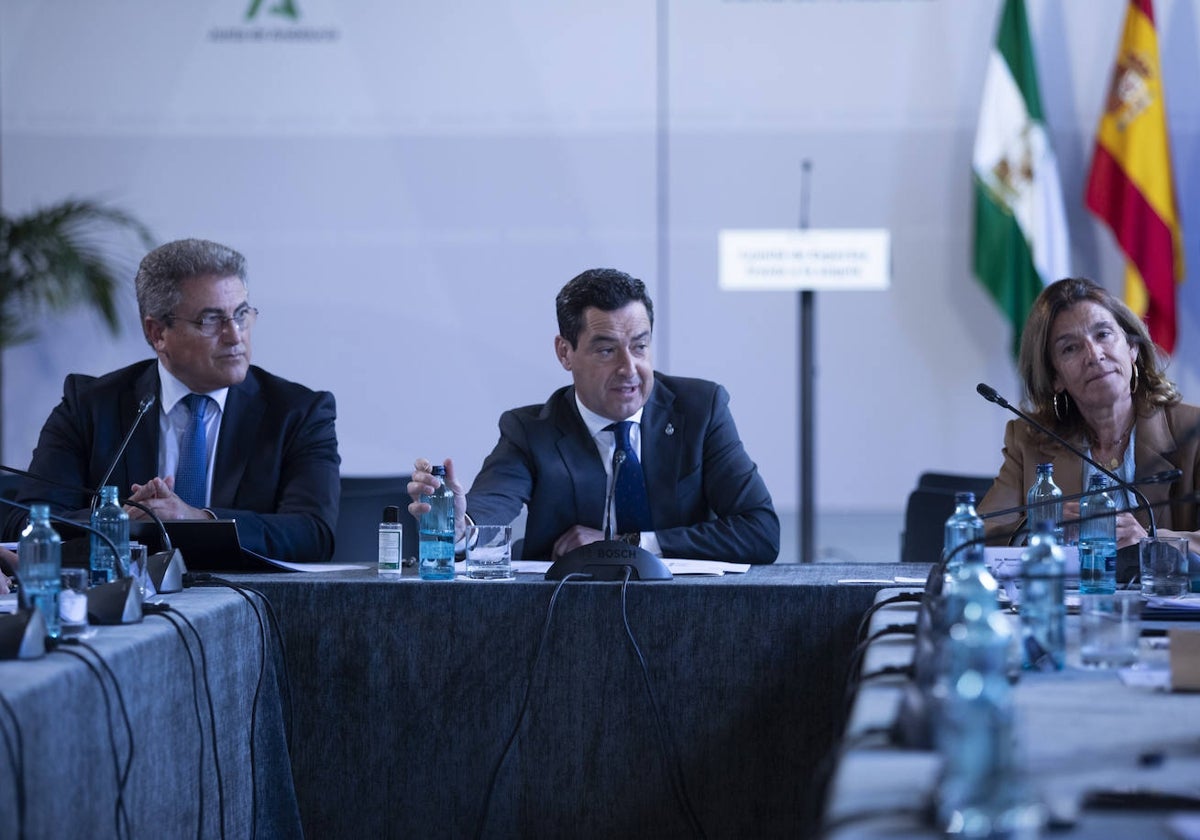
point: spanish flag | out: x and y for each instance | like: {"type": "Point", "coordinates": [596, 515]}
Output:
{"type": "Point", "coordinates": [1130, 186]}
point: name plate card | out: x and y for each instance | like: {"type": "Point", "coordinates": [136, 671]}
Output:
{"type": "Point", "coordinates": [799, 260]}
{"type": "Point", "coordinates": [1185, 659]}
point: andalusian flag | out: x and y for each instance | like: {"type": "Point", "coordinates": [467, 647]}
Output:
{"type": "Point", "coordinates": [1021, 240]}
{"type": "Point", "coordinates": [1130, 186]}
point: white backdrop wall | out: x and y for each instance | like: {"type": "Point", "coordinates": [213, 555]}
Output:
{"type": "Point", "coordinates": [412, 183]}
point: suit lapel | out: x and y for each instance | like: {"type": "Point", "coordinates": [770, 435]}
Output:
{"type": "Point", "coordinates": [141, 457]}
{"type": "Point", "coordinates": [1152, 449]}
{"type": "Point", "coordinates": [663, 433]}
{"type": "Point", "coordinates": [235, 443]}
{"type": "Point", "coordinates": [582, 459]}
{"type": "Point", "coordinates": [1068, 467]}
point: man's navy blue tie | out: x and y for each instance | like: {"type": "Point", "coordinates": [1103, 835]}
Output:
{"type": "Point", "coordinates": [629, 494]}
{"type": "Point", "coordinates": [191, 475]}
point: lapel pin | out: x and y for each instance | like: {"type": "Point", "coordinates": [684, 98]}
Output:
{"type": "Point", "coordinates": [670, 430]}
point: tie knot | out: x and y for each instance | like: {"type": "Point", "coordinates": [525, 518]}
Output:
{"type": "Point", "coordinates": [197, 404]}
{"type": "Point", "coordinates": [621, 431]}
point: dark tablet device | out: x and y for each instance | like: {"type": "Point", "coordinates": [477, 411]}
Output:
{"type": "Point", "coordinates": [207, 545]}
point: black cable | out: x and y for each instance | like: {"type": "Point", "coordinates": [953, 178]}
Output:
{"type": "Point", "coordinates": [866, 735]}
{"type": "Point", "coordinates": [212, 717]}
{"type": "Point", "coordinates": [671, 758]}
{"type": "Point", "coordinates": [902, 598]}
{"type": "Point", "coordinates": [537, 657]}
{"type": "Point", "coordinates": [16, 760]}
{"type": "Point", "coordinates": [255, 704]}
{"type": "Point", "coordinates": [199, 722]}
{"type": "Point", "coordinates": [886, 671]}
{"type": "Point", "coordinates": [103, 663]}
{"type": "Point", "coordinates": [120, 814]}
{"type": "Point", "coordinates": [285, 677]}
{"type": "Point", "coordinates": [858, 652]}
{"type": "Point", "coordinates": [823, 772]}
{"type": "Point", "coordinates": [212, 714]}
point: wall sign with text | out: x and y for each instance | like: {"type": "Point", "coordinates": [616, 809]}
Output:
{"type": "Point", "coordinates": [817, 260]}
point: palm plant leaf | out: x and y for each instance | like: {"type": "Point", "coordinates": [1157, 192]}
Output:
{"type": "Point", "coordinates": [59, 257]}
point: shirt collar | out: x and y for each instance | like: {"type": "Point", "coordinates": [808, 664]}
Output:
{"type": "Point", "coordinates": [173, 390]}
{"type": "Point", "coordinates": [595, 423]}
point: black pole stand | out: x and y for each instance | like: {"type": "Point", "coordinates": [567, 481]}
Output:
{"type": "Point", "coordinates": [806, 357]}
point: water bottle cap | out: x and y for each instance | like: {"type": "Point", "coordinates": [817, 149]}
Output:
{"type": "Point", "coordinates": [438, 469]}
{"type": "Point", "coordinates": [391, 513]}
{"type": "Point", "coordinates": [964, 498]}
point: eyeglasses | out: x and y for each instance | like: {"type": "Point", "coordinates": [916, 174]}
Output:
{"type": "Point", "coordinates": [213, 324]}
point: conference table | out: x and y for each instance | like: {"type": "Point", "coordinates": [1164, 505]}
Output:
{"type": "Point", "coordinates": [409, 708]}
{"type": "Point", "coordinates": [518, 709]}
{"type": "Point", "coordinates": [171, 727]}
{"type": "Point", "coordinates": [1082, 734]}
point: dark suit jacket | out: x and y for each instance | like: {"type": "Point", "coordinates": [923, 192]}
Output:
{"type": "Point", "coordinates": [277, 464]}
{"type": "Point", "coordinates": [1168, 438]}
{"type": "Point", "coordinates": [707, 499]}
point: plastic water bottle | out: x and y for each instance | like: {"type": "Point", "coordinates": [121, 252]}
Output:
{"type": "Point", "coordinates": [1043, 610]}
{"type": "Point", "coordinates": [437, 532]}
{"type": "Point", "coordinates": [971, 583]}
{"type": "Point", "coordinates": [391, 541]}
{"type": "Point", "coordinates": [968, 589]}
{"type": "Point", "coordinates": [979, 792]}
{"type": "Point", "coordinates": [1097, 539]}
{"type": "Point", "coordinates": [40, 555]}
{"type": "Point", "coordinates": [963, 526]}
{"type": "Point", "coordinates": [1045, 500]}
{"type": "Point", "coordinates": [111, 520]}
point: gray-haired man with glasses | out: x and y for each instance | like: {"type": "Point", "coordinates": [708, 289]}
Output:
{"type": "Point", "coordinates": [224, 439]}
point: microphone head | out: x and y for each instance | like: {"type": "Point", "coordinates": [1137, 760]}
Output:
{"type": "Point", "coordinates": [145, 404]}
{"type": "Point", "coordinates": [619, 457]}
{"type": "Point", "coordinates": [1164, 477]}
{"type": "Point", "coordinates": [990, 394]}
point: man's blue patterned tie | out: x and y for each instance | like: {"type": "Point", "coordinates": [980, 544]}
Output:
{"type": "Point", "coordinates": [191, 476]}
{"type": "Point", "coordinates": [629, 494]}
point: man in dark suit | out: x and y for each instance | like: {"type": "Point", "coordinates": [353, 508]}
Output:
{"type": "Point", "coordinates": [225, 439]}
{"type": "Point", "coordinates": [706, 499]}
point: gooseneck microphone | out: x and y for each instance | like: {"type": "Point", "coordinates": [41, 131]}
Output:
{"type": "Point", "coordinates": [143, 407]}
{"type": "Point", "coordinates": [607, 559]}
{"type": "Point", "coordinates": [1164, 477]}
{"type": "Point", "coordinates": [88, 491]}
{"type": "Point", "coordinates": [166, 567]}
{"type": "Point", "coordinates": [75, 524]}
{"type": "Point", "coordinates": [915, 723]}
{"type": "Point", "coordinates": [991, 395]}
{"type": "Point", "coordinates": [618, 460]}
{"type": "Point", "coordinates": [116, 602]}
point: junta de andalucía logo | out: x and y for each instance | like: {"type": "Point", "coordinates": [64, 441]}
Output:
{"type": "Point", "coordinates": [284, 8]}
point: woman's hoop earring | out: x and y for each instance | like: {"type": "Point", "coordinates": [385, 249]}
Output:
{"type": "Point", "coordinates": [1061, 414]}
{"type": "Point", "coordinates": [1133, 388]}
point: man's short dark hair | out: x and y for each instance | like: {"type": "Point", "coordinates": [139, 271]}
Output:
{"type": "Point", "coordinates": [607, 289]}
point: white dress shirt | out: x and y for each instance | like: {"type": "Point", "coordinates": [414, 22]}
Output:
{"type": "Point", "coordinates": [606, 445]}
{"type": "Point", "coordinates": [174, 419]}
